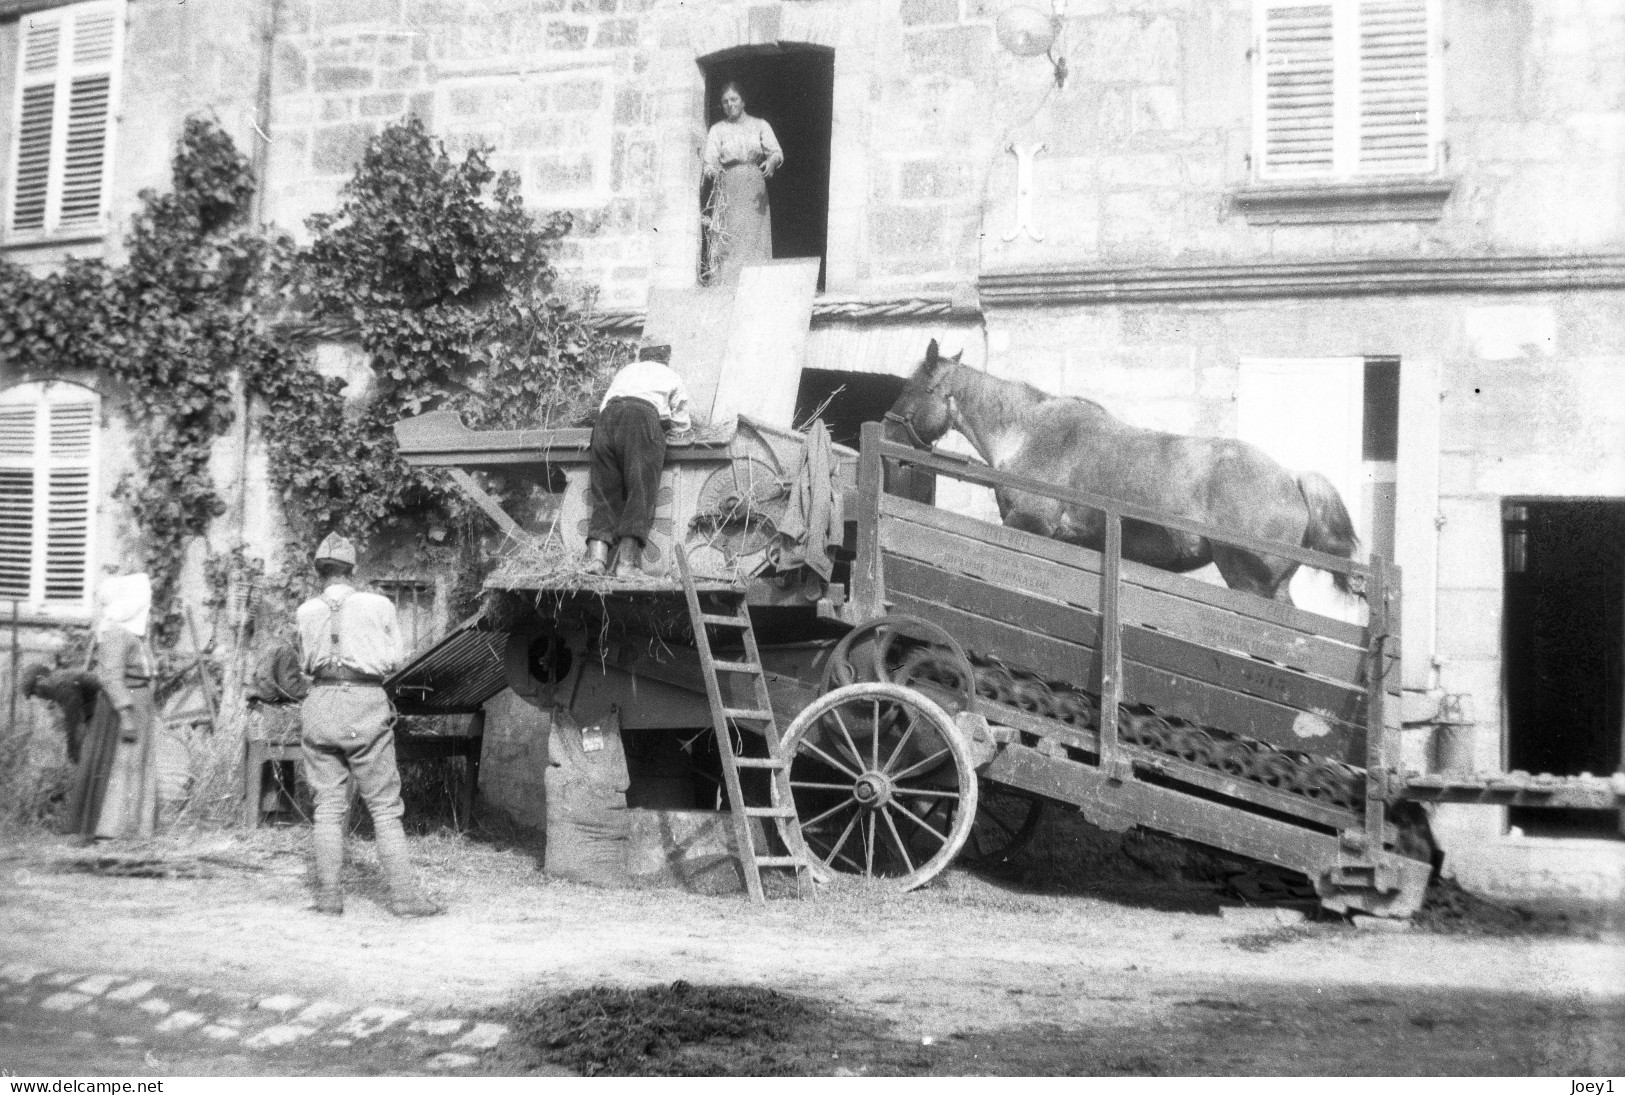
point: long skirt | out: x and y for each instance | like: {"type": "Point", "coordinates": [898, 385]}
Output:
{"type": "Point", "coordinates": [741, 229]}
{"type": "Point", "coordinates": [130, 804]}
{"type": "Point", "coordinates": [96, 752]}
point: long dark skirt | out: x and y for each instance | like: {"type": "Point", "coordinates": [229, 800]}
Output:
{"type": "Point", "coordinates": [96, 752]}
{"type": "Point", "coordinates": [741, 222]}
{"type": "Point", "coordinates": [115, 793]}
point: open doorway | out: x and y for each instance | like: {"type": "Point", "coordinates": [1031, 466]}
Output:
{"type": "Point", "coordinates": [1564, 649]}
{"type": "Point", "coordinates": [845, 401]}
{"type": "Point", "coordinates": [792, 88]}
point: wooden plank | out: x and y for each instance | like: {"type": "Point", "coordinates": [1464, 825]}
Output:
{"type": "Point", "coordinates": [867, 577]}
{"type": "Point", "coordinates": [1166, 810]}
{"type": "Point", "coordinates": [1326, 699]}
{"type": "Point", "coordinates": [976, 472]}
{"type": "Point", "coordinates": [695, 322]}
{"type": "Point", "coordinates": [767, 337]}
{"type": "Point", "coordinates": [489, 506]}
{"type": "Point", "coordinates": [1244, 604]}
{"type": "Point", "coordinates": [1170, 693]}
{"type": "Point", "coordinates": [439, 439]}
{"type": "Point", "coordinates": [1111, 647]}
{"type": "Point", "coordinates": [1141, 606]}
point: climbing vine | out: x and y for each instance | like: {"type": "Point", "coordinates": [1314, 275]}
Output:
{"type": "Point", "coordinates": [445, 278]}
{"type": "Point", "coordinates": [449, 283]}
{"type": "Point", "coordinates": [166, 329]}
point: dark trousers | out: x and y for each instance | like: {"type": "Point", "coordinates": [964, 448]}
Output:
{"type": "Point", "coordinates": [628, 449]}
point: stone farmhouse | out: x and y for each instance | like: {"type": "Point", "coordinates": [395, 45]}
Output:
{"type": "Point", "coordinates": [1384, 239]}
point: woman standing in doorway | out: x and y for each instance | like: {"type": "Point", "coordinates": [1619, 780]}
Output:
{"type": "Point", "coordinates": [741, 154]}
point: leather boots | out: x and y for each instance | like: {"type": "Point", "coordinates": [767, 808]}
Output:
{"type": "Point", "coordinates": [329, 841]}
{"type": "Point", "coordinates": [405, 899]}
{"type": "Point", "coordinates": [627, 554]}
{"type": "Point", "coordinates": [596, 561]}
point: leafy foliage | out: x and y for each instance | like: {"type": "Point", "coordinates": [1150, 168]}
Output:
{"type": "Point", "coordinates": [435, 262]}
{"type": "Point", "coordinates": [449, 284]}
{"type": "Point", "coordinates": [168, 328]}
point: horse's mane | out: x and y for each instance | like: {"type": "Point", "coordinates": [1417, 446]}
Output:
{"type": "Point", "coordinates": [1009, 395]}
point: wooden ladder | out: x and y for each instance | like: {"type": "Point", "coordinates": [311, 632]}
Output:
{"type": "Point", "coordinates": [760, 717]}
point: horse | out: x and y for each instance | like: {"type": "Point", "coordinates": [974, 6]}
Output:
{"type": "Point", "coordinates": [1076, 443]}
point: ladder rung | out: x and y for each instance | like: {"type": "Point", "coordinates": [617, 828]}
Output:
{"type": "Point", "coordinates": [779, 861]}
{"type": "Point", "coordinates": [723, 621]}
{"type": "Point", "coordinates": [759, 762]}
{"type": "Point", "coordinates": [770, 811]}
{"type": "Point", "coordinates": [755, 714]}
{"type": "Point", "coordinates": [737, 667]}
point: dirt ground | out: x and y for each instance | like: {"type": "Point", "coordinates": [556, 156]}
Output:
{"type": "Point", "coordinates": [1120, 974]}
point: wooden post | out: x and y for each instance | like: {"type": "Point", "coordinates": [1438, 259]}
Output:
{"type": "Point", "coordinates": [1111, 649]}
{"type": "Point", "coordinates": [868, 580]}
{"type": "Point", "coordinates": [1376, 730]}
{"type": "Point", "coordinates": [16, 660]}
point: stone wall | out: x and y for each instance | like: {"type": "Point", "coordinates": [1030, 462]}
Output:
{"type": "Point", "coordinates": [179, 60]}
{"type": "Point", "coordinates": [1150, 139]}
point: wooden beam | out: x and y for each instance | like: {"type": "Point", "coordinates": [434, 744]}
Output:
{"type": "Point", "coordinates": [495, 512]}
{"type": "Point", "coordinates": [976, 472]}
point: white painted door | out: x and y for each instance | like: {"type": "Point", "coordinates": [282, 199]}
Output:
{"type": "Point", "coordinates": [1308, 414]}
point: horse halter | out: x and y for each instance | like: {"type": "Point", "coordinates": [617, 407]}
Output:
{"type": "Point", "coordinates": [934, 388]}
{"type": "Point", "coordinates": [913, 435]}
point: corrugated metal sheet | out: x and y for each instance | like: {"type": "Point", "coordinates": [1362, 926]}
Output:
{"type": "Point", "coordinates": [457, 674]}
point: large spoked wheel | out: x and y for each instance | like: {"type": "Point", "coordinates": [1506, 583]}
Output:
{"type": "Point", "coordinates": [1006, 821]}
{"type": "Point", "coordinates": [881, 783]}
{"type": "Point", "coordinates": [908, 651]}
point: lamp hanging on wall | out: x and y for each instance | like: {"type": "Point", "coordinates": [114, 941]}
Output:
{"type": "Point", "coordinates": [1028, 32]}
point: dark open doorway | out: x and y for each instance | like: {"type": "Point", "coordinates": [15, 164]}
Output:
{"type": "Point", "coordinates": [791, 87]}
{"type": "Point", "coordinates": [848, 400]}
{"type": "Point", "coordinates": [1565, 649]}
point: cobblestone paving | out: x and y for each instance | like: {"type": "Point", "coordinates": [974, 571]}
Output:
{"type": "Point", "coordinates": [147, 1013]}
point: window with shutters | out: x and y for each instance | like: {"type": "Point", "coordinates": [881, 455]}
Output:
{"type": "Point", "coordinates": [67, 88]}
{"type": "Point", "coordinates": [47, 495]}
{"type": "Point", "coordinates": [1346, 89]}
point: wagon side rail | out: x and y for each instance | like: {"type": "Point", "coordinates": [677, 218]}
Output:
{"type": "Point", "coordinates": [1363, 843]}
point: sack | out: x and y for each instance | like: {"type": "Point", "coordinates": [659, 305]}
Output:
{"type": "Point", "coordinates": [277, 677]}
{"type": "Point", "coordinates": [587, 819]}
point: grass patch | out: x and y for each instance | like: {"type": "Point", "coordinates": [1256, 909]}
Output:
{"type": "Point", "coordinates": [677, 1030]}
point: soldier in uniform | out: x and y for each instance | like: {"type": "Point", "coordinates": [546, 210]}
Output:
{"type": "Point", "coordinates": [349, 643]}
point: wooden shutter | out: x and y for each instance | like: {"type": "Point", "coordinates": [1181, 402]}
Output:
{"type": "Point", "coordinates": [1345, 88]}
{"type": "Point", "coordinates": [47, 493]}
{"type": "Point", "coordinates": [17, 424]}
{"type": "Point", "coordinates": [68, 502]}
{"type": "Point", "coordinates": [67, 85]}
{"type": "Point", "coordinates": [1396, 100]}
{"type": "Point", "coordinates": [1296, 102]}
{"type": "Point", "coordinates": [36, 93]}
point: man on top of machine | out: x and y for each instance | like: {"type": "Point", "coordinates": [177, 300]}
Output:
{"type": "Point", "coordinates": [645, 400]}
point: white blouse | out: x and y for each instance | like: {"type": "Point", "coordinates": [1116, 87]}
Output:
{"type": "Point", "coordinates": [749, 140]}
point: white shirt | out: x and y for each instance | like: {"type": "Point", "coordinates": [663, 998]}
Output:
{"type": "Point", "coordinates": [653, 383]}
{"type": "Point", "coordinates": [749, 140]}
{"type": "Point", "coordinates": [369, 640]}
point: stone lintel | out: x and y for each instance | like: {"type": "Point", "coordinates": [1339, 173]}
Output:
{"type": "Point", "coordinates": [1332, 278]}
{"type": "Point", "coordinates": [1366, 201]}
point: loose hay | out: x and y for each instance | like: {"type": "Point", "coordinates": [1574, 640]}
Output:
{"type": "Point", "coordinates": [1449, 909]}
{"type": "Point", "coordinates": [674, 1030]}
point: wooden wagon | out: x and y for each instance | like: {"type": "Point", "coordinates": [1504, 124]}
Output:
{"type": "Point", "coordinates": [862, 715]}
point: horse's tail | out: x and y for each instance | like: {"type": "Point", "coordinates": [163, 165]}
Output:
{"type": "Point", "coordinates": [1330, 528]}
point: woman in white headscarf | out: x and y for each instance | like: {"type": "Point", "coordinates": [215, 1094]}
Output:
{"type": "Point", "coordinates": [123, 667]}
